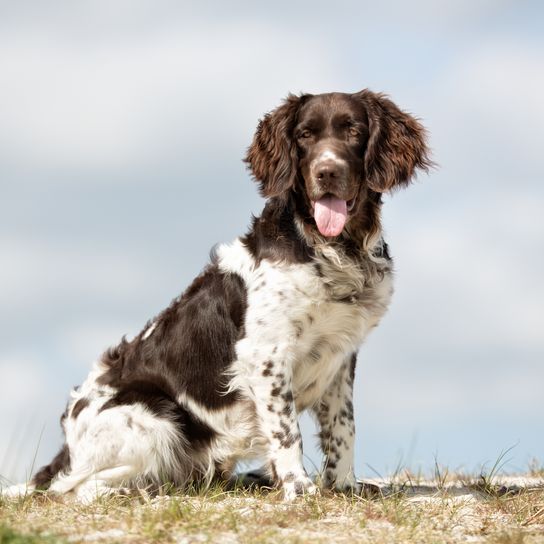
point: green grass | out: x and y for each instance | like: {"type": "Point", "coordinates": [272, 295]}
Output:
{"type": "Point", "coordinates": [9, 536]}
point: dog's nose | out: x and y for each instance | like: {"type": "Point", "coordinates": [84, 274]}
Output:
{"type": "Point", "coordinates": [328, 171]}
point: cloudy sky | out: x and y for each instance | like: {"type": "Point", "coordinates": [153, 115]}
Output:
{"type": "Point", "coordinates": [122, 128]}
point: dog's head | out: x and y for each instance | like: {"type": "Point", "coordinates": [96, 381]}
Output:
{"type": "Point", "coordinates": [334, 150]}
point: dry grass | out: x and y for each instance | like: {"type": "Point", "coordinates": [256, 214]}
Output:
{"type": "Point", "coordinates": [448, 510]}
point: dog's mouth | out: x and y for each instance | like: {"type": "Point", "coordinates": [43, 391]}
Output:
{"type": "Point", "coordinates": [331, 214]}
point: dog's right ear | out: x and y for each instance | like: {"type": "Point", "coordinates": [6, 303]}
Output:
{"type": "Point", "coordinates": [272, 156]}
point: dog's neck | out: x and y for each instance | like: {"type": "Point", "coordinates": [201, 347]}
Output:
{"type": "Point", "coordinates": [287, 232]}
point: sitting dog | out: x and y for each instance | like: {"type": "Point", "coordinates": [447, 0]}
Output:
{"type": "Point", "coordinates": [269, 329]}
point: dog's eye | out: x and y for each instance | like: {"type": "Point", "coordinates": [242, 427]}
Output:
{"type": "Point", "coordinates": [353, 131]}
{"type": "Point", "coordinates": [305, 133]}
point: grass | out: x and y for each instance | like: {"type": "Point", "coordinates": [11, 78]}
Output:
{"type": "Point", "coordinates": [409, 510]}
{"type": "Point", "coordinates": [9, 536]}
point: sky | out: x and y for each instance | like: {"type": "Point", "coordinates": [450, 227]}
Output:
{"type": "Point", "coordinates": [122, 129]}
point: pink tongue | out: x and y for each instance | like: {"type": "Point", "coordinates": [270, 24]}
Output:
{"type": "Point", "coordinates": [330, 214]}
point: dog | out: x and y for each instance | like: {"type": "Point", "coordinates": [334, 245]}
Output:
{"type": "Point", "coordinates": [269, 329]}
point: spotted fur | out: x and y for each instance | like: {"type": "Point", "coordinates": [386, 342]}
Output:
{"type": "Point", "coordinates": [270, 328]}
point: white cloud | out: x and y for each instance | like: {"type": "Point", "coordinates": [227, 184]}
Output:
{"type": "Point", "coordinates": [22, 378]}
{"type": "Point", "coordinates": [68, 105]}
{"type": "Point", "coordinates": [488, 115]}
{"type": "Point", "coordinates": [503, 80]}
{"type": "Point", "coordinates": [36, 274]}
{"type": "Point", "coordinates": [85, 340]}
{"type": "Point", "coordinates": [473, 274]}
{"type": "Point", "coordinates": [23, 391]}
{"type": "Point", "coordinates": [402, 389]}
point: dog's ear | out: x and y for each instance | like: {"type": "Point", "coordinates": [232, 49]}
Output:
{"type": "Point", "coordinates": [273, 156]}
{"type": "Point", "coordinates": [396, 145]}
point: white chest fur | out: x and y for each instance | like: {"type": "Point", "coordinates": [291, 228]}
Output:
{"type": "Point", "coordinates": [317, 314]}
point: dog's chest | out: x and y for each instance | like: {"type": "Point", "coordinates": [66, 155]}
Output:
{"type": "Point", "coordinates": [310, 316]}
{"type": "Point", "coordinates": [335, 331]}
{"type": "Point", "coordinates": [319, 313]}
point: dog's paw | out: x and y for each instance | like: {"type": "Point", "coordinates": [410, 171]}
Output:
{"type": "Point", "coordinates": [348, 485]}
{"type": "Point", "coordinates": [348, 488]}
{"type": "Point", "coordinates": [370, 491]}
{"type": "Point", "coordinates": [91, 491]}
{"type": "Point", "coordinates": [357, 488]}
{"type": "Point", "coordinates": [17, 491]}
{"type": "Point", "coordinates": [295, 486]}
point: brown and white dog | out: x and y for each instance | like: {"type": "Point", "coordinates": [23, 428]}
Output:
{"type": "Point", "coordinates": [270, 328]}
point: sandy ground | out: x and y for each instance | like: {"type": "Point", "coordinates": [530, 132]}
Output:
{"type": "Point", "coordinates": [511, 510]}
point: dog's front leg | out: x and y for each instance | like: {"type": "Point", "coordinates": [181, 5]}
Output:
{"type": "Point", "coordinates": [337, 435]}
{"type": "Point", "coordinates": [277, 416]}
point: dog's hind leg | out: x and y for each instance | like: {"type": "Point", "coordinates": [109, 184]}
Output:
{"type": "Point", "coordinates": [69, 481]}
{"type": "Point", "coordinates": [105, 483]}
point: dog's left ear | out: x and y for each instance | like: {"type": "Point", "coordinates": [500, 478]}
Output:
{"type": "Point", "coordinates": [396, 145]}
{"type": "Point", "coordinates": [272, 156]}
